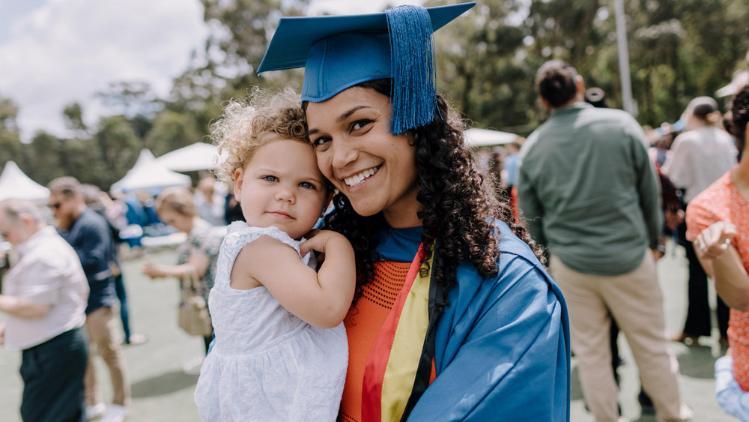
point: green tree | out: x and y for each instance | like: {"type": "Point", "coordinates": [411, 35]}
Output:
{"type": "Point", "coordinates": [129, 98]}
{"type": "Point", "coordinates": [172, 130]}
{"type": "Point", "coordinates": [117, 148]}
{"type": "Point", "coordinates": [10, 140]}
{"type": "Point", "coordinates": [135, 100]}
{"type": "Point", "coordinates": [82, 161]}
{"type": "Point", "coordinates": [479, 67]}
{"type": "Point", "coordinates": [43, 155]}
{"type": "Point", "coordinates": [679, 49]}
{"type": "Point", "coordinates": [225, 67]}
{"type": "Point", "coordinates": [243, 30]}
{"type": "Point", "coordinates": [73, 117]}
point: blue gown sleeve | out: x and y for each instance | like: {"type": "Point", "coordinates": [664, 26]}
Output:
{"type": "Point", "coordinates": [502, 349]}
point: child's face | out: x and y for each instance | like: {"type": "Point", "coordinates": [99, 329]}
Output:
{"type": "Point", "coordinates": [281, 186]}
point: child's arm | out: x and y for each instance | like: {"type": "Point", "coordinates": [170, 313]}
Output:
{"type": "Point", "coordinates": [319, 298]}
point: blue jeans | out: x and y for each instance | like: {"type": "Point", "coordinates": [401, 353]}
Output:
{"type": "Point", "coordinates": [119, 288]}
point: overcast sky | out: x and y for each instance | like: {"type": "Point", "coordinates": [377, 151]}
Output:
{"type": "Point", "coordinates": [53, 52]}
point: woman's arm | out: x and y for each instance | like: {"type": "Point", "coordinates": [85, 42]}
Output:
{"type": "Point", "coordinates": [23, 308]}
{"type": "Point", "coordinates": [198, 263]}
{"type": "Point", "coordinates": [320, 298]}
{"type": "Point", "coordinates": [723, 264]}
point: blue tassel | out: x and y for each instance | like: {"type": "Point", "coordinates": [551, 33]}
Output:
{"type": "Point", "coordinates": [413, 92]}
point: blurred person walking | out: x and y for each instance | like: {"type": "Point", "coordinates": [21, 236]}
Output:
{"type": "Point", "coordinates": [209, 202]}
{"type": "Point", "coordinates": [698, 157]}
{"type": "Point", "coordinates": [44, 294]}
{"type": "Point", "coordinates": [589, 194]}
{"type": "Point", "coordinates": [89, 235]}
{"type": "Point", "coordinates": [718, 224]}
{"type": "Point", "coordinates": [101, 203]}
{"type": "Point", "coordinates": [198, 255]}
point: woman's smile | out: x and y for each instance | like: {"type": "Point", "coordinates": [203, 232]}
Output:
{"type": "Point", "coordinates": [357, 180]}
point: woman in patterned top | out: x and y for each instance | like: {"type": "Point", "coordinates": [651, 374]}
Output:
{"type": "Point", "coordinates": [718, 225]}
{"type": "Point", "coordinates": [199, 253]}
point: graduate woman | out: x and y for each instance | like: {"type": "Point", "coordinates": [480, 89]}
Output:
{"type": "Point", "coordinates": [454, 317]}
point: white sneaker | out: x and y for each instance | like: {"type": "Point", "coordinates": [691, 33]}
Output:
{"type": "Point", "coordinates": [94, 411]}
{"type": "Point", "coordinates": [115, 413]}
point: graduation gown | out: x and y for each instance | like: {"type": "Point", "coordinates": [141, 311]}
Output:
{"type": "Point", "coordinates": [501, 345]}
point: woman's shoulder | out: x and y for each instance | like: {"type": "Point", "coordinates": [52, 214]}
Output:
{"type": "Point", "coordinates": [518, 269]}
{"type": "Point", "coordinates": [520, 294]}
{"type": "Point", "coordinates": [711, 205]}
{"type": "Point", "coordinates": [714, 198]}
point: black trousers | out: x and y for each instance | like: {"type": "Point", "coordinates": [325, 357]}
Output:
{"type": "Point", "coordinates": [52, 374]}
{"type": "Point", "coordinates": [698, 310]}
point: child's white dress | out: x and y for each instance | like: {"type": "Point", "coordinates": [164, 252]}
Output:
{"type": "Point", "coordinates": [266, 364]}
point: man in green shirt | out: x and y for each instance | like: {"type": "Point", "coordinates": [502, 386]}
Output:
{"type": "Point", "coordinates": [589, 194]}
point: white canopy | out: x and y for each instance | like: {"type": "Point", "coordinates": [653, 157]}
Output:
{"type": "Point", "coordinates": [15, 184]}
{"type": "Point", "coordinates": [476, 138]}
{"type": "Point", "coordinates": [147, 173]}
{"type": "Point", "coordinates": [194, 157]}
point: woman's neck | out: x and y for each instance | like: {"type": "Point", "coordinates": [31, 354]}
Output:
{"type": "Point", "coordinates": [741, 175]}
{"type": "Point", "coordinates": [404, 213]}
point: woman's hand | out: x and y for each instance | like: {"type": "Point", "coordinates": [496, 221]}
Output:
{"type": "Point", "coordinates": [152, 270]}
{"type": "Point", "coordinates": [715, 240]}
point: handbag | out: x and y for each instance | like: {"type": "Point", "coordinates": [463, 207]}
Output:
{"type": "Point", "coordinates": [193, 317]}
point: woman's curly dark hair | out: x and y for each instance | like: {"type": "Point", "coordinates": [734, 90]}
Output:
{"type": "Point", "coordinates": [740, 117]}
{"type": "Point", "coordinates": [457, 211]}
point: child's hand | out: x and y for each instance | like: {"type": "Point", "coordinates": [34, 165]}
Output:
{"type": "Point", "coordinates": [320, 241]}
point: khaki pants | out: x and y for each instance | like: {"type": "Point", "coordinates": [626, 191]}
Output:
{"type": "Point", "coordinates": [102, 338]}
{"type": "Point", "coordinates": [636, 302]}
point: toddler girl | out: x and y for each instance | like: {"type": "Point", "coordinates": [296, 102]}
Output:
{"type": "Point", "coordinates": [280, 352]}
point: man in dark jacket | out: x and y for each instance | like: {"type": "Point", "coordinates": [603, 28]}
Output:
{"type": "Point", "coordinates": [89, 235]}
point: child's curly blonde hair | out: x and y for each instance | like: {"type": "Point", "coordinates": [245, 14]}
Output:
{"type": "Point", "coordinates": [245, 126]}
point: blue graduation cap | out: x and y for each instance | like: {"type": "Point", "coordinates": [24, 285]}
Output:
{"type": "Point", "coordinates": [338, 52]}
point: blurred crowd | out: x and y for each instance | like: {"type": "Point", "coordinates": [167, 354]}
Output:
{"type": "Point", "coordinates": [62, 283]}
{"type": "Point", "coordinates": [599, 193]}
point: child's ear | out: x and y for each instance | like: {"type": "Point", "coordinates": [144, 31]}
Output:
{"type": "Point", "coordinates": [237, 177]}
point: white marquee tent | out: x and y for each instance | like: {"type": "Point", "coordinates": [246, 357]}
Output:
{"type": "Point", "coordinates": [148, 173]}
{"type": "Point", "coordinates": [16, 185]}
{"type": "Point", "coordinates": [476, 138]}
{"type": "Point", "coordinates": [194, 157]}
